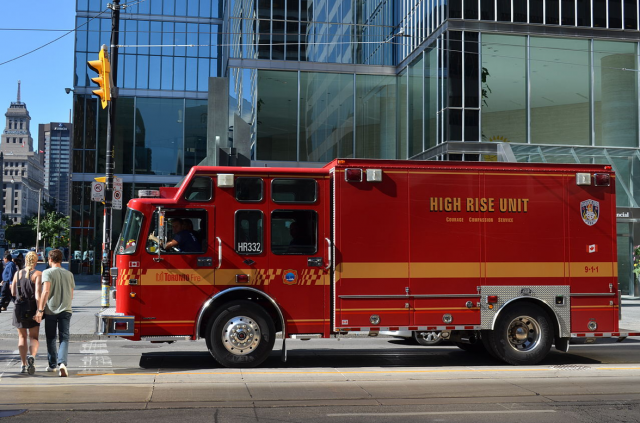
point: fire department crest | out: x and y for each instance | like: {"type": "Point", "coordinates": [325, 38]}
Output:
{"type": "Point", "coordinates": [590, 211]}
{"type": "Point", "coordinates": [290, 277]}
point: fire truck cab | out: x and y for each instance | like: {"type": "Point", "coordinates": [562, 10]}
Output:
{"type": "Point", "coordinates": [507, 258]}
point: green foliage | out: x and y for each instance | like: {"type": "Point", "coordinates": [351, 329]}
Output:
{"type": "Point", "coordinates": [636, 259]}
{"type": "Point", "coordinates": [54, 227]}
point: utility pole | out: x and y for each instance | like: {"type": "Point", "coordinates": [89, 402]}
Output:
{"type": "Point", "coordinates": [109, 165]}
{"type": "Point", "coordinates": [38, 227]}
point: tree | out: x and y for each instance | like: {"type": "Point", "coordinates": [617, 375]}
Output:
{"type": "Point", "coordinates": [49, 206]}
{"type": "Point", "coordinates": [54, 228]}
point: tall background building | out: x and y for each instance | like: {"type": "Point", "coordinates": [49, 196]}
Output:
{"type": "Point", "coordinates": [54, 140]}
{"type": "Point", "coordinates": [22, 169]}
{"type": "Point", "coordinates": [300, 82]}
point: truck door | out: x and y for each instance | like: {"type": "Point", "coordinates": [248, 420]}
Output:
{"type": "Point", "coordinates": [298, 252]}
{"type": "Point", "coordinates": [180, 275]}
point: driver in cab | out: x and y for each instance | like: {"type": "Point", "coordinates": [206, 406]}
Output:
{"type": "Point", "coordinates": [183, 239]}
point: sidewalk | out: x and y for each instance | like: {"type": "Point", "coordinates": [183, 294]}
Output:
{"type": "Point", "coordinates": [86, 303]}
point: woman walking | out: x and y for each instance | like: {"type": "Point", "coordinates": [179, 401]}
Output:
{"type": "Point", "coordinates": [29, 281]}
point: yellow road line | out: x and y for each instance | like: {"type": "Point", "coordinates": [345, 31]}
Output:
{"type": "Point", "coordinates": [335, 372]}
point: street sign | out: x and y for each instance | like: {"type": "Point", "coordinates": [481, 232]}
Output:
{"type": "Point", "coordinates": [117, 193]}
{"type": "Point", "coordinates": [97, 191]}
{"type": "Point", "coordinates": [117, 200]}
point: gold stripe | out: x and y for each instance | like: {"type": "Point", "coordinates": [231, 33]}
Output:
{"type": "Point", "coordinates": [166, 321]}
{"type": "Point", "coordinates": [307, 320]}
{"type": "Point", "coordinates": [526, 270]}
{"type": "Point", "coordinates": [604, 269]}
{"type": "Point", "coordinates": [373, 270]}
{"type": "Point", "coordinates": [445, 270]}
{"type": "Point", "coordinates": [476, 270]}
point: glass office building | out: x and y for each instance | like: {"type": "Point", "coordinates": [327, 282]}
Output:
{"type": "Point", "coordinates": [311, 80]}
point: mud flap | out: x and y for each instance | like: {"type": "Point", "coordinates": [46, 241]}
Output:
{"type": "Point", "coordinates": [562, 344]}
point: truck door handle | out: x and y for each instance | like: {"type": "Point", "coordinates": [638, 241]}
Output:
{"type": "Point", "coordinates": [329, 261]}
{"type": "Point", "coordinates": [219, 252]}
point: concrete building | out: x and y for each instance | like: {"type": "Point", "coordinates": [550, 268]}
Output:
{"type": "Point", "coordinates": [54, 140]}
{"type": "Point", "coordinates": [22, 169]}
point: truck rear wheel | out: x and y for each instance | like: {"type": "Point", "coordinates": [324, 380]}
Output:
{"type": "Point", "coordinates": [241, 334]}
{"type": "Point", "coordinates": [428, 338]}
{"type": "Point", "coordinates": [523, 335]}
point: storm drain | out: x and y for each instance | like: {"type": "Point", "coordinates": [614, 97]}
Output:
{"type": "Point", "coordinates": [571, 367]}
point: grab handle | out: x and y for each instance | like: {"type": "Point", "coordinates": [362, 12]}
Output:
{"type": "Point", "coordinates": [329, 260]}
{"type": "Point", "coordinates": [219, 252]}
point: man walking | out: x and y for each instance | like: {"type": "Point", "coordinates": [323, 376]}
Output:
{"type": "Point", "coordinates": [55, 305]}
{"type": "Point", "coordinates": [10, 269]}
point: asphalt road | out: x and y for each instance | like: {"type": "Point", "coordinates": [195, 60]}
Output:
{"type": "Point", "coordinates": [351, 380]}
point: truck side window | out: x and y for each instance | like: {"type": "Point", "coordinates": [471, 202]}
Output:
{"type": "Point", "coordinates": [187, 227]}
{"type": "Point", "coordinates": [294, 232]}
{"type": "Point", "coordinates": [249, 231]}
{"type": "Point", "coordinates": [249, 190]}
{"type": "Point", "coordinates": [301, 190]}
{"type": "Point", "coordinates": [200, 189]}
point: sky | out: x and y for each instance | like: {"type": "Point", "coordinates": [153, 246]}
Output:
{"type": "Point", "coordinates": [45, 73]}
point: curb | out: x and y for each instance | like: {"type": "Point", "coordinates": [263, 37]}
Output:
{"type": "Point", "coordinates": [72, 337]}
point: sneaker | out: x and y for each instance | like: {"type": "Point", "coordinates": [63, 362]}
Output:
{"type": "Point", "coordinates": [63, 370]}
{"type": "Point", "coordinates": [24, 369]}
{"type": "Point", "coordinates": [51, 368]}
{"type": "Point", "coordinates": [31, 368]}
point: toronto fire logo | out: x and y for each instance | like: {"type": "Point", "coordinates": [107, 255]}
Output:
{"type": "Point", "coordinates": [590, 211]}
{"type": "Point", "coordinates": [290, 277]}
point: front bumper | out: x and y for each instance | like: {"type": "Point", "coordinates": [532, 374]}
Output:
{"type": "Point", "coordinates": [110, 323]}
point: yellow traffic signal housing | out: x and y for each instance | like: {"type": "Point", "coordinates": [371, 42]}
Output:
{"type": "Point", "coordinates": [103, 68]}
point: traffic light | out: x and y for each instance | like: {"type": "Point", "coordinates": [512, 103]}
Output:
{"type": "Point", "coordinates": [103, 68]}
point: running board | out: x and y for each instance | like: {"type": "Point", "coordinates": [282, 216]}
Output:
{"type": "Point", "coordinates": [166, 338]}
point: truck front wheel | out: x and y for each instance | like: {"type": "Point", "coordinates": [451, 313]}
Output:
{"type": "Point", "coordinates": [522, 336]}
{"type": "Point", "coordinates": [241, 334]}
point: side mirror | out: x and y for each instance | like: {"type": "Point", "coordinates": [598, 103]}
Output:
{"type": "Point", "coordinates": [160, 230]}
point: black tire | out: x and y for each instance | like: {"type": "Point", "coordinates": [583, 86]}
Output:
{"type": "Point", "coordinates": [241, 334]}
{"type": "Point", "coordinates": [427, 338]}
{"type": "Point", "coordinates": [523, 335]}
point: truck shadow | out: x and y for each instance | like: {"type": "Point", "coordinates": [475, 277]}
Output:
{"type": "Point", "coordinates": [418, 356]}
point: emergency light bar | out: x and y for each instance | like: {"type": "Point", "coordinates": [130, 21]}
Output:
{"type": "Point", "coordinates": [599, 179]}
{"type": "Point", "coordinates": [225, 180]}
{"type": "Point", "coordinates": [148, 193]}
{"type": "Point", "coordinates": [355, 175]}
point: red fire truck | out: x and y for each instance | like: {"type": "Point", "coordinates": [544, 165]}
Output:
{"type": "Point", "coordinates": [509, 258]}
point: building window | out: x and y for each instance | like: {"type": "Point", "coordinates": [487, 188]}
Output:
{"type": "Point", "coordinates": [616, 94]}
{"type": "Point", "coordinates": [559, 110]}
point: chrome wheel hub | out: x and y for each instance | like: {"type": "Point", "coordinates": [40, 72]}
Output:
{"type": "Point", "coordinates": [524, 333]}
{"type": "Point", "coordinates": [430, 336]}
{"type": "Point", "coordinates": [241, 335]}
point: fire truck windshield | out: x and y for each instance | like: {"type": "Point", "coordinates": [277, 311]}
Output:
{"type": "Point", "coordinates": [128, 240]}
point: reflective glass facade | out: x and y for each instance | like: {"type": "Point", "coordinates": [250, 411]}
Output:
{"type": "Point", "coordinates": [168, 51]}
{"type": "Point", "coordinates": [311, 80]}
